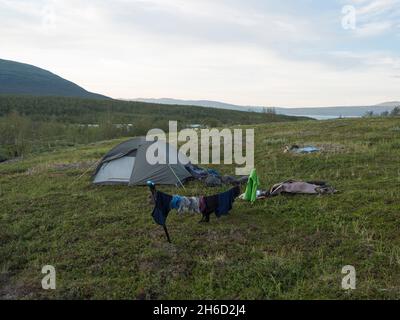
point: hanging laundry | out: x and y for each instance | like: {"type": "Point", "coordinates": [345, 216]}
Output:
{"type": "Point", "coordinates": [162, 207]}
{"type": "Point", "coordinates": [189, 205]}
{"type": "Point", "coordinates": [194, 205]}
{"type": "Point", "coordinates": [183, 205]}
{"type": "Point", "coordinates": [252, 186]}
{"type": "Point", "coordinates": [176, 201]}
{"type": "Point", "coordinates": [202, 204]}
{"type": "Point", "coordinates": [211, 204]}
{"type": "Point", "coordinates": [226, 200]}
{"type": "Point", "coordinates": [220, 204]}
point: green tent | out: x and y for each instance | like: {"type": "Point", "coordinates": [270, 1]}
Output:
{"type": "Point", "coordinates": [127, 164]}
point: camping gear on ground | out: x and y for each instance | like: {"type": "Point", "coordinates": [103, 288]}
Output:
{"type": "Point", "coordinates": [127, 164]}
{"type": "Point", "coordinates": [309, 149]}
{"type": "Point", "coordinates": [196, 171]}
{"type": "Point", "coordinates": [301, 150]}
{"type": "Point", "coordinates": [213, 181]}
{"type": "Point", "coordinates": [260, 194]}
{"type": "Point", "coordinates": [252, 186]}
{"type": "Point", "coordinates": [300, 187]}
{"type": "Point", "coordinates": [234, 181]}
{"type": "Point", "coordinates": [220, 204]}
{"type": "Point", "coordinates": [212, 178]}
{"type": "Point", "coordinates": [213, 172]}
{"type": "Point", "coordinates": [200, 173]}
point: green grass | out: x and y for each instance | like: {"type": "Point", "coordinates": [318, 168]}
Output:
{"type": "Point", "coordinates": [104, 243]}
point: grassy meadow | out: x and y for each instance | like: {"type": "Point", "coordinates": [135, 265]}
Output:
{"type": "Point", "coordinates": [104, 243]}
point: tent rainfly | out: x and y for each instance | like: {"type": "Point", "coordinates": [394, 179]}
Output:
{"type": "Point", "coordinates": [127, 164]}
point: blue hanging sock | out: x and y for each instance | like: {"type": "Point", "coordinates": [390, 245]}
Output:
{"type": "Point", "coordinates": [175, 202]}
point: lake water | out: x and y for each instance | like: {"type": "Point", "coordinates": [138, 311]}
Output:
{"type": "Point", "coordinates": [319, 117]}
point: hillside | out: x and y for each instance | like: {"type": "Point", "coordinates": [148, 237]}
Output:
{"type": "Point", "coordinates": [104, 244]}
{"type": "Point", "coordinates": [35, 124]}
{"type": "Point", "coordinates": [75, 110]}
{"type": "Point", "coordinates": [20, 78]}
{"type": "Point", "coordinates": [200, 103]}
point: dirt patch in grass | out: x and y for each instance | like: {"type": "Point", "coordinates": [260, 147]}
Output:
{"type": "Point", "coordinates": [74, 166]}
{"type": "Point", "coordinates": [60, 167]}
{"type": "Point", "coordinates": [13, 291]}
{"type": "Point", "coordinates": [15, 160]}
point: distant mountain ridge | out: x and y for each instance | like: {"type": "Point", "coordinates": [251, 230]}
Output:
{"type": "Point", "coordinates": [391, 104]}
{"type": "Point", "coordinates": [351, 111]}
{"type": "Point", "coordinates": [200, 103]}
{"type": "Point", "coordinates": [25, 79]}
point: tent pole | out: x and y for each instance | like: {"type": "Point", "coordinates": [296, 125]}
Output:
{"type": "Point", "coordinates": [176, 177]}
{"type": "Point", "coordinates": [87, 170]}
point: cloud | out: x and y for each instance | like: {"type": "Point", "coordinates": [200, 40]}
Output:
{"type": "Point", "coordinates": [375, 8]}
{"type": "Point", "coordinates": [374, 29]}
{"type": "Point", "coordinates": [248, 52]}
{"type": "Point", "coordinates": [379, 60]}
{"type": "Point", "coordinates": [376, 17]}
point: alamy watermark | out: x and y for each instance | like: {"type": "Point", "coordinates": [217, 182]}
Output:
{"type": "Point", "coordinates": [237, 149]}
{"type": "Point", "coordinates": [49, 280]}
{"type": "Point", "coordinates": [349, 281]}
{"type": "Point", "coordinates": [349, 19]}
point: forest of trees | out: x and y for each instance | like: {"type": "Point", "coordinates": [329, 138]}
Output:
{"type": "Point", "coordinates": [36, 124]}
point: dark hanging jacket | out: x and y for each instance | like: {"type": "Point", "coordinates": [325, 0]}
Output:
{"type": "Point", "coordinates": [226, 200]}
{"type": "Point", "coordinates": [162, 207]}
{"type": "Point", "coordinates": [211, 204]}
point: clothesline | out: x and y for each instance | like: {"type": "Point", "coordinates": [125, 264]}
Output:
{"type": "Point", "coordinates": [220, 204]}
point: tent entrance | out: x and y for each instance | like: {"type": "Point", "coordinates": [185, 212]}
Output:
{"type": "Point", "coordinates": [116, 171]}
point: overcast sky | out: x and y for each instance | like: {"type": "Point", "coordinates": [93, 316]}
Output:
{"type": "Point", "coordinates": [251, 52]}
